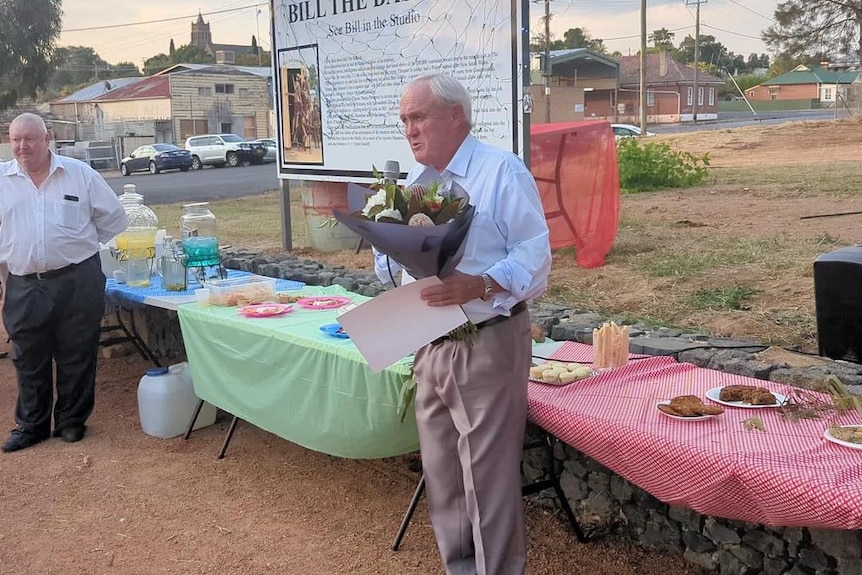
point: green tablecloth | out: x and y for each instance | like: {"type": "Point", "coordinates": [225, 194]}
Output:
{"type": "Point", "coordinates": [286, 376]}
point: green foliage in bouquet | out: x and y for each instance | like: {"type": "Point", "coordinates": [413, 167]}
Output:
{"type": "Point", "coordinates": [417, 205]}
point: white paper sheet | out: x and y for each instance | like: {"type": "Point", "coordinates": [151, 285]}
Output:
{"type": "Point", "coordinates": [396, 323]}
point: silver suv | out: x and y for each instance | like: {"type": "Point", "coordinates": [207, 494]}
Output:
{"type": "Point", "coordinates": [215, 150]}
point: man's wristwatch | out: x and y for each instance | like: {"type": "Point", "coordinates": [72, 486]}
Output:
{"type": "Point", "coordinates": [490, 288]}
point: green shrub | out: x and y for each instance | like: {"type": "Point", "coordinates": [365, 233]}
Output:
{"type": "Point", "coordinates": [653, 166]}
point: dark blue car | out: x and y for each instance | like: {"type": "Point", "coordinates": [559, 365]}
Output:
{"type": "Point", "coordinates": [155, 158]}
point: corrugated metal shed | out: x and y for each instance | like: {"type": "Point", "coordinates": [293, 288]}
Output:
{"type": "Point", "coordinates": [148, 88]}
{"type": "Point", "coordinates": [93, 91]}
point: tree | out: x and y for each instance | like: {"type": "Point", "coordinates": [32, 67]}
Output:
{"type": "Point", "coordinates": [254, 48]}
{"type": "Point", "coordinates": [804, 27]}
{"type": "Point", "coordinates": [662, 39]}
{"type": "Point", "coordinates": [172, 49]}
{"type": "Point", "coordinates": [28, 30]}
{"type": "Point", "coordinates": [580, 38]}
{"type": "Point", "coordinates": [186, 53]}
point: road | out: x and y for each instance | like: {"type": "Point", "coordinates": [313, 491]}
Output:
{"type": "Point", "coordinates": [199, 186]}
{"type": "Point", "coordinates": [739, 119]}
{"type": "Point", "coordinates": [223, 183]}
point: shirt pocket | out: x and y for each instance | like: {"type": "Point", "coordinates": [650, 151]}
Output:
{"type": "Point", "coordinates": [67, 214]}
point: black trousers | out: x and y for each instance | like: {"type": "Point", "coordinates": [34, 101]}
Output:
{"type": "Point", "coordinates": [55, 320]}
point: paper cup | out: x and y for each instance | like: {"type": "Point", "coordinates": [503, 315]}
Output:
{"type": "Point", "coordinates": [202, 296]}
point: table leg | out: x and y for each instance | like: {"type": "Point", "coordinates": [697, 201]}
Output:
{"type": "Point", "coordinates": [553, 482]}
{"type": "Point", "coordinates": [194, 418]}
{"type": "Point", "coordinates": [420, 488]}
{"type": "Point", "coordinates": [228, 437]}
{"type": "Point", "coordinates": [132, 332]}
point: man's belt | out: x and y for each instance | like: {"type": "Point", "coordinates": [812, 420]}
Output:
{"type": "Point", "coordinates": [516, 309]}
{"type": "Point", "coordinates": [51, 274]}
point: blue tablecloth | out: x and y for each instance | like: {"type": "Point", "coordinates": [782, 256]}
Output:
{"type": "Point", "coordinates": [122, 294]}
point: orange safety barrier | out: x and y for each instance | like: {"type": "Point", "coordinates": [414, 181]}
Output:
{"type": "Point", "coordinates": [575, 167]}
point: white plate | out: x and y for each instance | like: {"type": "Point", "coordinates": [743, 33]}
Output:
{"type": "Point", "coordinates": [828, 435]}
{"type": "Point", "coordinates": [680, 417]}
{"type": "Point", "coordinates": [713, 394]}
{"type": "Point", "coordinates": [560, 383]}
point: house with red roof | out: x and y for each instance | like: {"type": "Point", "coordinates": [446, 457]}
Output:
{"type": "Point", "coordinates": [171, 106]}
{"type": "Point", "coordinates": [671, 95]}
{"type": "Point", "coordinates": [581, 84]}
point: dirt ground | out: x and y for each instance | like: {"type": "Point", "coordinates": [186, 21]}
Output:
{"type": "Point", "coordinates": [123, 502]}
{"type": "Point", "coordinates": [126, 503]}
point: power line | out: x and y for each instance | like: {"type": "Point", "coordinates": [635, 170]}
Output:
{"type": "Point", "coordinates": [731, 32]}
{"type": "Point", "coordinates": [755, 12]}
{"type": "Point", "coordinates": [162, 20]}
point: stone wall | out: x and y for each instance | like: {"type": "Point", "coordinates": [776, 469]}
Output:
{"type": "Point", "coordinates": [605, 503]}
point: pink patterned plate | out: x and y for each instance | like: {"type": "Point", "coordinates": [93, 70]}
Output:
{"type": "Point", "coordinates": [323, 302]}
{"type": "Point", "coordinates": [265, 309]}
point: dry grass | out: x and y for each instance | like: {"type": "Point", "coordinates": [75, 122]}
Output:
{"type": "Point", "coordinates": [732, 258]}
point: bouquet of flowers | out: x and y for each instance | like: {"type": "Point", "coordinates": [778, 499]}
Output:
{"type": "Point", "coordinates": [422, 227]}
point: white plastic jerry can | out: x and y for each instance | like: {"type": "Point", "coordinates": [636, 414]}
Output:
{"type": "Point", "coordinates": [167, 401]}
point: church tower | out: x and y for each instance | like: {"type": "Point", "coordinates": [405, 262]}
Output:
{"type": "Point", "coordinates": [201, 36]}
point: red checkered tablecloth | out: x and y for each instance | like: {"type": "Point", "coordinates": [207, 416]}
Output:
{"type": "Point", "coordinates": [788, 475]}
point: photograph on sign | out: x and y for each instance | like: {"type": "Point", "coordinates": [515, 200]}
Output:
{"type": "Point", "coordinates": [341, 66]}
{"type": "Point", "coordinates": [300, 105]}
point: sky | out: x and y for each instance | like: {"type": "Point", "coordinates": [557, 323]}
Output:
{"type": "Point", "coordinates": [735, 23]}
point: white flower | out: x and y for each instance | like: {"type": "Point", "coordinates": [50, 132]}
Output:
{"type": "Point", "coordinates": [378, 199]}
{"type": "Point", "coordinates": [389, 213]}
{"type": "Point", "coordinates": [420, 219]}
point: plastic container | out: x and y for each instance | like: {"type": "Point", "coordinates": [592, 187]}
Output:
{"type": "Point", "coordinates": [242, 291]}
{"type": "Point", "coordinates": [167, 402]}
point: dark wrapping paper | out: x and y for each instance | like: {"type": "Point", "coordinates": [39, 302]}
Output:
{"type": "Point", "coordinates": [422, 251]}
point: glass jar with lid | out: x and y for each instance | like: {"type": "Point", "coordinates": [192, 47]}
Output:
{"type": "Point", "coordinates": [200, 242]}
{"type": "Point", "coordinates": [143, 222]}
{"type": "Point", "coordinates": [137, 244]}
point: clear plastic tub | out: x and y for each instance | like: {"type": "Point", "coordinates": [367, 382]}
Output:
{"type": "Point", "coordinates": [242, 291]}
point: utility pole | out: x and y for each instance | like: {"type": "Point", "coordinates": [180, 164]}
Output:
{"type": "Point", "coordinates": [643, 84]}
{"type": "Point", "coordinates": [547, 61]}
{"type": "Point", "coordinates": [257, 20]}
{"type": "Point", "coordinates": [696, 55]}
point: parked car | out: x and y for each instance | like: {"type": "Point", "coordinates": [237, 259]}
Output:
{"type": "Point", "coordinates": [156, 158]}
{"type": "Point", "coordinates": [271, 148]}
{"type": "Point", "coordinates": [251, 153]}
{"type": "Point", "coordinates": [627, 131]}
{"type": "Point", "coordinates": [223, 149]}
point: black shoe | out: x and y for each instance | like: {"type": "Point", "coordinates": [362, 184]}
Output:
{"type": "Point", "coordinates": [20, 439]}
{"type": "Point", "coordinates": [73, 433]}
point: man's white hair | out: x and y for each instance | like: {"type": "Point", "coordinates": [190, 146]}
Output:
{"type": "Point", "coordinates": [446, 90]}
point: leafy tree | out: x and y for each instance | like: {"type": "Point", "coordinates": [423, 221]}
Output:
{"type": "Point", "coordinates": [186, 53]}
{"type": "Point", "coordinates": [580, 38]}
{"type": "Point", "coordinates": [254, 48]}
{"type": "Point", "coordinates": [572, 38]}
{"type": "Point", "coordinates": [123, 70]}
{"type": "Point", "coordinates": [172, 49]}
{"type": "Point", "coordinates": [745, 81]}
{"type": "Point", "coordinates": [805, 27]}
{"type": "Point", "coordinates": [662, 39]}
{"type": "Point", "coordinates": [28, 30]}
{"type": "Point", "coordinates": [77, 65]}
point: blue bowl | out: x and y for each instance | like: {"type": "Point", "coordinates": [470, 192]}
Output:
{"type": "Point", "coordinates": [332, 329]}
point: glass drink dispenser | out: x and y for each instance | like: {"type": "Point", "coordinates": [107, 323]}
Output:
{"type": "Point", "coordinates": [137, 245]}
{"type": "Point", "coordinates": [200, 242]}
